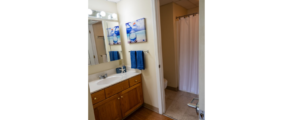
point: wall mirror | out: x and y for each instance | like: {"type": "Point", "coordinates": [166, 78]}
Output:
{"type": "Point", "coordinates": [104, 42]}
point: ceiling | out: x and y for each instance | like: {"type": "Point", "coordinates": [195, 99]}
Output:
{"type": "Point", "coordinates": [188, 4]}
{"type": "Point", "coordinates": [114, 0]}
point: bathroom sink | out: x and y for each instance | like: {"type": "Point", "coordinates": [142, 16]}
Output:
{"type": "Point", "coordinates": [108, 80]}
{"type": "Point", "coordinates": [131, 72]}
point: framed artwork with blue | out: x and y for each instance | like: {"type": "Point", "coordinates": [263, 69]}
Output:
{"type": "Point", "coordinates": [136, 31]}
{"type": "Point", "coordinates": [114, 36]}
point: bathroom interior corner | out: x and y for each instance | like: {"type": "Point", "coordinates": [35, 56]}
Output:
{"type": "Point", "coordinates": [128, 76]}
{"type": "Point", "coordinates": [180, 47]}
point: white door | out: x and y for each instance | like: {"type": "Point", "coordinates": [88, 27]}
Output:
{"type": "Point", "coordinates": [89, 48]}
{"type": "Point", "coordinates": [93, 44]}
{"type": "Point", "coordinates": [202, 59]}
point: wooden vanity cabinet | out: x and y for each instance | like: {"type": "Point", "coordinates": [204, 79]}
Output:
{"type": "Point", "coordinates": [98, 96]}
{"type": "Point", "coordinates": [131, 99]}
{"type": "Point", "coordinates": [117, 106]}
{"type": "Point", "coordinates": [109, 109]}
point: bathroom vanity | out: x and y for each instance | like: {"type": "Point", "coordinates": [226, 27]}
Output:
{"type": "Point", "coordinates": [116, 96]}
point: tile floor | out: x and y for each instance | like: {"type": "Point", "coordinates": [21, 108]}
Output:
{"type": "Point", "coordinates": [176, 105]}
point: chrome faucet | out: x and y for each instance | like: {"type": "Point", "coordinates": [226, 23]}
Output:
{"type": "Point", "coordinates": [103, 76]}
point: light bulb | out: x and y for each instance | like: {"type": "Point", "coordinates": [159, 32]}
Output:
{"type": "Point", "coordinates": [98, 15]}
{"type": "Point", "coordinates": [103, 13]}
{"type": "Point", "coordinates": [90, 11]}
{"type": "Point", "coordinates": [114, 15]}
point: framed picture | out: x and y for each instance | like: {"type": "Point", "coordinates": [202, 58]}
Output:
{"type": "Point", "coordinates": [136, 31]}
{"type": "Point", "coordinates": [114, 36]}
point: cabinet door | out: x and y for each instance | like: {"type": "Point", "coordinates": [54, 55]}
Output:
{"type": "Point", "coordinates": [131, 99]}
{"type": "Point", "coordinates": [109, 109]}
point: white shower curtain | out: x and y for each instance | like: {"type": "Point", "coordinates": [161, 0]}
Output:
{"type": "Point", "coordinates": [188, 53]}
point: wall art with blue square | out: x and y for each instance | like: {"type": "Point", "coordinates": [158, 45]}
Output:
{"type": "Point", "coordinates": [136, 31]}
{"type": "Point", "coordinates": [114, 36]}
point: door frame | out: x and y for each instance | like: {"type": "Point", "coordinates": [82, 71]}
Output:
{"type": "Point", "coordinates": [158, 55]}
{"type": "Point", "coordinates": [159, 60]}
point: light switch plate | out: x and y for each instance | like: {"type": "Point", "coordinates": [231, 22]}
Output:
{"type": "Point", "coordinates": [201, 112]}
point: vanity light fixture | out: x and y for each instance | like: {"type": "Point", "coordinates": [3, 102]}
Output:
{"type": "Point", "coordinates": [114, 15]}
{"type": "Point", "coordinates": [109, 16]}
{"type": "Point", "coordinates": [103, 13]}
{"type": "Point", "coordinates": [90, 12]}
{"type": "Point", "coordinates": [98, 15]}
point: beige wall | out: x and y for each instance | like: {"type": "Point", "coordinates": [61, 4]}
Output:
{"type": "Point", "coordinates": [168, 14]}
{"type": "Point", "coordinates": [130, 10]}
{"type": "Point", "coordinates": [193, 10]}
{"type": "Point", "coordinates": [202, 55]}
{"type": "Point", "coordinates": [91, 108]}
{"type": "Point", "coordinates": [168, 53]}
{"type": "Point", "coordinates": [98, 31]}
{"type": "Point", "coordinates": [104, 66]}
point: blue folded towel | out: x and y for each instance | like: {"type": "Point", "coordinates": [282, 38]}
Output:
{"type": "Point", "coordinates": [140, 60]}
{"type": "Point", "coordinates": [116, 55]}
{"type": "Point", "coordinates": [111, 56]}
{"type": "Point", "coordinates": [133, 59]}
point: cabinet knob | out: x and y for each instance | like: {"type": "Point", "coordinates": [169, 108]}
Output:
{"type": "Point", "coordinates": [135, 80]}
{"type": "Point", "coordinates": [118, 98]}
{"type": "Point", "coordinates": [95, 98]}
{"type": "Point", "coordinates": [121, 96]}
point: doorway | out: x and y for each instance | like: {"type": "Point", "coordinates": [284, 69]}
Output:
{"type": "Point", "coordinates": [180, 36]}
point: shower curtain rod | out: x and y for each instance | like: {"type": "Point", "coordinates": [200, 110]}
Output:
{"type": "Point", "coordinates": [186, 15]}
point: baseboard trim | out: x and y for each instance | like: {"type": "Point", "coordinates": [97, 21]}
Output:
{"type": "Point", "coordinates": [169, 117]}
{"type": "Point", "coordinates": [150, 107]}
{"type": "Point", "coordinates": [172, 88]}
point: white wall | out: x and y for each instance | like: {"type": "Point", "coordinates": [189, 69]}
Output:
{"type": "Point", "coordinates": [130, 10]}
{"type": "Point", "coordinates": [91, 108]}
{"type": "Point", "coordinates": [103, 5]}
{"type": "Point", "coordinates": [201, 56]}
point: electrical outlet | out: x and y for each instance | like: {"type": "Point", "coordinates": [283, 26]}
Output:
{"type": "Point", "coordinates": [202, 115]}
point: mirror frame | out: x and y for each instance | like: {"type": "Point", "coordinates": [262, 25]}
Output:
{"type": "Point", "coordinates": [104, 26]}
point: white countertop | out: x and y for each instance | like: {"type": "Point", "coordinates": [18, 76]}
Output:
{"type": "Point", "coordinates": [94, 86]}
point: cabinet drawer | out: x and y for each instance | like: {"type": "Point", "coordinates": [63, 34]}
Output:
{"type": "Point", "coordinates": [98, 96]}
{"type": "Point", "coordinates": [135, 80]}
{"type": "Point", "coordinates": [110, 91]}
